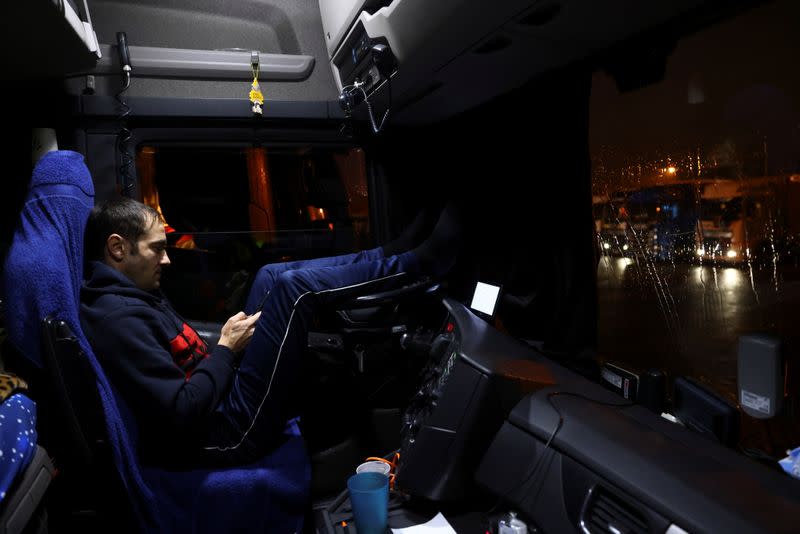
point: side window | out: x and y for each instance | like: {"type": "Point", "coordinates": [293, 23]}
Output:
{"type": "Point", "coordinates": [228, 211]}
{"type": "Point", "coordinates": [700, 235]}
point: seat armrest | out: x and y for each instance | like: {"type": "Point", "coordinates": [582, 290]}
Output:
{"type": "Point", "coordinates": [23, 501]}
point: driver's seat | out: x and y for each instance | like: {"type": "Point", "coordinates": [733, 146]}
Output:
{"type": "Point", "coordinates": [362, 363]}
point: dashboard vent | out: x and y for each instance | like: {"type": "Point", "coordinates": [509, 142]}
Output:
{"type": "Point", "coordinates": [605, 513]}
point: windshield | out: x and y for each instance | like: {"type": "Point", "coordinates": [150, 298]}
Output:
{"type": "Point", "coordinates": [708, 163]}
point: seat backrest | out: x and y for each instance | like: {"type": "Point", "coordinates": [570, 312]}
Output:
{"type": "Point", "coordinates": [64, 367]}
{"type": "Point", "coordinates": [74, 432]}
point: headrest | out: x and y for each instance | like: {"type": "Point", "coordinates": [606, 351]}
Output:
{"type": "Point", "coordinates": [62, 172]}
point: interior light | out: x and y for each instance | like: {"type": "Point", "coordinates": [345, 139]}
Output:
{"type": "Point", "coordinates": [731, 253]}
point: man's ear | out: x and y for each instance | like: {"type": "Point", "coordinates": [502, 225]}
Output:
{"type": "Point", "coordinates": [116, 247]}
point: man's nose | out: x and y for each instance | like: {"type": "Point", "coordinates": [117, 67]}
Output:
{"type": "Point", "coordinates": [165, 260]}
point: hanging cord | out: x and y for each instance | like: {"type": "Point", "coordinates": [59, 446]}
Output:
{"type": "Point", "coordinates": [124, 135]}
{"type": "Point", "coordinates": [378, 128]}
{"type": "Point", "coordinates": [358, 87]}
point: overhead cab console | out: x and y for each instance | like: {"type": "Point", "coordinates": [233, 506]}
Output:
{"type": "Point", "coordinates": [368, 39]}
{"type": "Point", "coordinates": [447, 56]}
{"type": "Point", "coordinates": [363, 61]}
{"type": "Point", "coordinates": [408, 40]}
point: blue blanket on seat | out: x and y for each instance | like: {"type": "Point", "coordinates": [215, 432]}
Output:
{"type": "Point", "coordinates": [267, 496]}
{"type": "Point", "coordinates": [42, 277]}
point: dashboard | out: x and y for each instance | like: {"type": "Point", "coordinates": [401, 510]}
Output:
{"type": "Point", "coordinates": [493, 413]}
{"type": "Point", "coordinates": [474, 377]}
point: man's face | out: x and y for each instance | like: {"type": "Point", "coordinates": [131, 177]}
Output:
{"type": "Point", "coordinates": [143, 263]}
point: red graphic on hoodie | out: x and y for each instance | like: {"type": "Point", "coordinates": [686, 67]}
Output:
{"type": "Point", "coordinates": [188, 349]}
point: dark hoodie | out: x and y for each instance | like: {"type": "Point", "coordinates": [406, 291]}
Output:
{"type": "Point", "coordinates": [161, 367]}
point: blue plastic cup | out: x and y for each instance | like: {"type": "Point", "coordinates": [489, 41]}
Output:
{"type": "Point", "coordinates": [369, 497]}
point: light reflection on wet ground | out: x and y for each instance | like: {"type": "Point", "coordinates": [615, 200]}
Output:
{"type": "Point", "coordinates": [687, 318]}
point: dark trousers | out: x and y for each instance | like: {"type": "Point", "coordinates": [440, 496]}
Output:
{"type": "Point", "coordinates": [254, 412]}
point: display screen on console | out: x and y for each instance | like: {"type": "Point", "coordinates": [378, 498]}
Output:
{"type": "Point", "coordinates": [484, 300]}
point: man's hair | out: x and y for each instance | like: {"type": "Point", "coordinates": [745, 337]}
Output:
{"type": "Point", "coordinates": [123, 216]}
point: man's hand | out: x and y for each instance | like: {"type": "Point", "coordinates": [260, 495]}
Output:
{"type": "Point", "coordinates": [238, 330]}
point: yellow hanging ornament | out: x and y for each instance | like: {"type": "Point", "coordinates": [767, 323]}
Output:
{"type": "Point", "coordinates": [256, 97]}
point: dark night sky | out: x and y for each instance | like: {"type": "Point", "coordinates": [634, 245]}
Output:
{"type": "Point", "coordinates": [748, 74]}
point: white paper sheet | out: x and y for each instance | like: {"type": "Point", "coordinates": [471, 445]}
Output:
{"type": "Point", "coordinates": [437, 525]}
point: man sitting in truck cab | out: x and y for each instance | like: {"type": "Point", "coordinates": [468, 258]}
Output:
{"type": "Point", "coordinates": [226, 404]}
